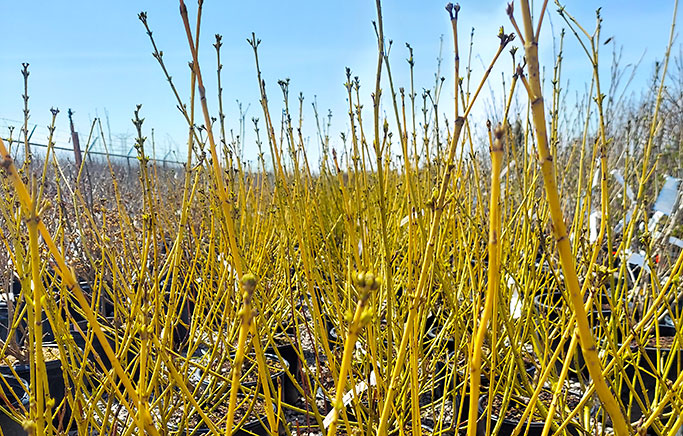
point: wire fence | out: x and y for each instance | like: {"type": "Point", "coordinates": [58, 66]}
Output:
{"type": "Point", "coordinates": [126, 157]}
{"type": "Point", "coordinates": [118, 147]}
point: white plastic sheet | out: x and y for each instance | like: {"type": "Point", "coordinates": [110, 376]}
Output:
{"type": "Point", "coordinates": [620, 179]}
{"type": "Point", "coordinates": [666, 200]}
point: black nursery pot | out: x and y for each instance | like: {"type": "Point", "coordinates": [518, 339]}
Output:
{"type": "Point", "coordinates": [290, 359]}
{"type": "Point", "coordinates": [278, 378]}
{"type": "Point", "coordinates": [254, 424]}
{"type": "Point", "coordinates": [433, 332]}
{"type": "Point", "coordinates": [54, 376]}
{"type": "Point", "coordinates": [75, 313]}
{"type": "Point", "coordinates": [15, 394]}
{"type": "Point", "coordinates": [5, 322]}
{"type": "Point", "coordinates": [462, 399]}
{"type": "Point", "coordinates": [508, 425]}
{"type": "Point", "coordinates": [14, 296]}
{"type": "Point", "coordinates": [665, 331]}
{"type": "Point", "coordinates": [445, 379]}
{"type": "Point", "coordinates": [645, 391]}
{"type": "Point", "coordinates": [333, 338]}
{"type": "Point", "coordinates": [535, 428]}
{"type": "Point", "coordinates": [258, 427]}
{"type": "Point", "coordinates": [106, 307]}
{"type": "Point", "coordinates": [97, 349]}
{"type": "Point", "coordinates": [551, 305]}
{"type": "Point", "coordinates": [184, 312]}
{"type": "Point", "coordinates": [20, 333]}
{"type": "Point", "coordinates": [55, 381]}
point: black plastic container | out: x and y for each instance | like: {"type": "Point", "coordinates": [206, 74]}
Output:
{"type": "Point", "coordinates": [249, 365]}
{"type": "Point", "coordinates": [106, 305]}
{"type": "Point", "coordinates": [14, 395]}
{"type": "Point", "coordinates": [458, 383]}
{"type": "Point", "coordinates": [445, 378]}
{"type": "Point", "coordinates": [285, 350]}
{"type": "Point", "coordinates": [535, 428]}
{"type": "Point", "coordinates": [277, 378]}
{"type": "Point", "coordinates": [55, 380]}
{"type": "Point", "coordinates": [254, 424]}
{"type": "Point", "coordinates": [183, 313]}
{"type": "Point", "coordinates": [96, 349]}
{"type": "Point", "coordinates": [257, 426]}
{"type": "Point", "coordinates": [554, 307]}
{"type": "Point", "coordinates": [645, 391]}
{"type": "Point", "coordinates": [333, 339]}
{"type": "Point", "coordinates": [432, 334]}
{"type": "Point", "coordinates": [13, 295]}
{"type": "Point", "coordinates": [426, 431]}
{"type": "Point", "coordinates": [664, 353]}
{"type": "Point", "coordinates": [21, 332]}
{"type": "Point", "coordinates": [5, 322]}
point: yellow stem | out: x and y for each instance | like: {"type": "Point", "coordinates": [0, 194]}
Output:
{"type": "Point", "coordinates": [72, 286]}
{"type": "Point", "coordinates": [349, 346]}
{"type": "Point", "coordinates": [36, 330]}
{"type": "Point", "coordinates": [560, 231]}
{"type": "Point", "coordinates": [246, 316]}
{"type": "Point", "coordinates": [493, 280]}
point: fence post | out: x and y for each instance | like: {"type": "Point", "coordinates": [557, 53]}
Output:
{"type": "Point", "coordinates": [75, 141]}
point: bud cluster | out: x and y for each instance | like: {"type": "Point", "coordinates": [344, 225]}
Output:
{"type": "Point", "coordinates": [366, 280]}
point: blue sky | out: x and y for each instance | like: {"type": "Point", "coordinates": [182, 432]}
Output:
{"type": "Point", "coordinates": [94, 57]}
